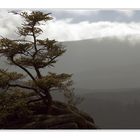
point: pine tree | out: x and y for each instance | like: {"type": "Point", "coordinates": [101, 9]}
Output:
{"type": "Point", "coordinates": [30, 53]}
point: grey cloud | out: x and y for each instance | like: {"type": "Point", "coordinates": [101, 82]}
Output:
{"type": "Point", "coordinates": [95, 15]}
{"type": "Point", "coordinates": [8, 23]}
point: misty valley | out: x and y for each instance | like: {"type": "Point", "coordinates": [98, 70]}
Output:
{"type": "Point", "coordinates": [107, 75]}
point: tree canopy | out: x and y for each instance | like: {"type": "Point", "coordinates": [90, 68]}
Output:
{"type": "Point", "coordinates": [30, 53]}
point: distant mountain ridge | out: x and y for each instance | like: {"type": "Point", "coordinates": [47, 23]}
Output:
{"type": "Point", "coordinates": [111, 108]}
{"type": "Point", "coordinates": [114, 108]}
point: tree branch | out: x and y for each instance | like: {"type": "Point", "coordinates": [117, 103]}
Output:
{"type": "Point", "coordinates": [21, 86]}
{"type": "Point", "coordinates": [23, 68]}
{"type": "Point", "coordinates": [22, 40]}
{"type": "Point", "coordinates": [49, 62]}
{"type": "Point", "coordinates": [34, 100]}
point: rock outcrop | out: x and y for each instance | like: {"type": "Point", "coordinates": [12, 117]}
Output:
{"type": "Point", "coordinates": [60, 116]}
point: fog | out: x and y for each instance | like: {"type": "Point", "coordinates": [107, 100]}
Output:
{"type": "Point", "coordinates": [102, 64]}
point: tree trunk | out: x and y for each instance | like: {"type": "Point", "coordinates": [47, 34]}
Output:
{"type": "Point", "coordinates": [49, 99]}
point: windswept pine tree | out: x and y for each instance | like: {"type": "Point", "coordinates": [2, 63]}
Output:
{"type": "Point", "coordinates": [27, 100]}
{"type": "Point", "coordinates": [30, 53]}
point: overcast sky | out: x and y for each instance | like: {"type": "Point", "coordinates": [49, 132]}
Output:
{"type": "Point", "coordinates": [72, 24]}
